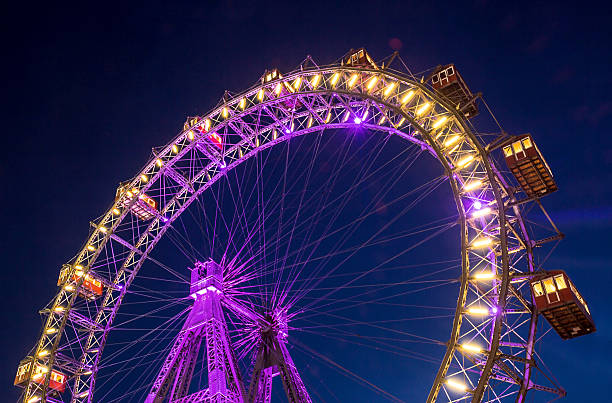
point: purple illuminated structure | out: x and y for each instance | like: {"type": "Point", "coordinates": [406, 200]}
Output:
{"type": "Point", "coordinates": [206, 322]}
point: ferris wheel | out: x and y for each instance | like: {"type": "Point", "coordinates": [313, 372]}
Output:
{"type": "Point", "coordinates": [314, 222]}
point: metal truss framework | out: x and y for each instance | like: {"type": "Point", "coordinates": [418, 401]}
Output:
{"type": "Point", "coordinates": [489, 354]}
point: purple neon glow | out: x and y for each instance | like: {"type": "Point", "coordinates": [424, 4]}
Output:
{"type": "Point", "coordinates": [494, 310]}
{"type": "Point", "coordinates": [357, 120]}
{"type": "Point", "coordinates": [287, 131]}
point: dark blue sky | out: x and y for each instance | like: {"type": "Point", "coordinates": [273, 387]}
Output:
{"type": "Point", "coordinates": [89, 89]}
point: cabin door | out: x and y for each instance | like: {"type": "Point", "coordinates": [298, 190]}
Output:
{"type": "Point", "coordinates": [552, 294]}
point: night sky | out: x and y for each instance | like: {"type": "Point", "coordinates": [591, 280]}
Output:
{"type": "Point", "coordinates": [90, 88]}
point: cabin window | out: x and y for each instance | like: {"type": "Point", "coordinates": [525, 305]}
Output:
{"type": "Point", "coordinates": [517, 147]}
{"type": "Point", "coordinates": [361, 53]}
{"type": "Point", "coordinates": [527, 142]}
{"type": "Point", "coordinates": [442, 75]}
{"type": "Point", "coordinates": [560, 281]}
{"type": "Point", "coordinates": [508, 151]}
{"type": "Point", "coordinates": [549, 285]}
{"type": "Point", "coordinates": [537, 289]}
{"type": "Point", "coordinates": [450, 71]}
{"type": "Point", "coordinates": [435, 79]}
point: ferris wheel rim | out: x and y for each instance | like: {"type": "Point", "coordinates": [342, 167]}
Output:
{"type": "Point", "coordinates": [407, 136]}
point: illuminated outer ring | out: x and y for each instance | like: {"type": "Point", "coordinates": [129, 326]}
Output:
{"type": "Point", "coordinates": [251, 122]}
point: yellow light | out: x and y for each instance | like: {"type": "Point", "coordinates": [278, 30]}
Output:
{"type": "Point", "coordinates": [382, 120]}
{"type": "Point", "coordinates": [116, 211]}
{"type": "Point", "coordinates": [78, 273]}
{"type": "Point", "coordinates": [423, 108]}
{"type": "Point", "coordinates": [482, 212]}
{"type": "Point", "coordinates": [51, 330]}
{"type": "Point", "coordinates": [78, 267]}
{"type": "Point", "coordinates": [190, 135]}
{"type": "Point", "coordinates": [43, 353]}
{"type": "Point", "coordinates": [372, 82]}
{"type": "Point", "coordinates": [34, 399]}
{"type": "Point", "coordinates": [478, 311]}
{"type": "Point", "coordinates": [401, 122]}
{"type": "Point", "coordinates": [224, 112]}
{"type": "Point", "coordinates": [335, 78]}
{"type": "Point", "coordinates": [69, 288]}
{"type": "Point", "coordinates": [451, 141]}
{"type": "Point", "coordinates": [278, 89]}
{"type": "Point", "coordinates": [174, 148]}
{"type": "Point", "coordinates": [129, 194]}
{"type": "Point", "coordinates": [346, 116]}
{"type": "Point", "coordinates": [484, 275]}
{"type": "Point", "coordinates": [388, 90]}
{"type": "Point", "coordinates": [159, 162]}
{"type": "Point", "coordinates": [274, 134]}
{"type": "Point", "coordinates": [309, 122]}
{"type": "Point", "coordinates": [407, 97]}
{"type": "Point", "coordinates": [260, 95]}
{"type": "Point", "coordinates": [472, 185]}
{"type": "Point", "coordinates": [297, 83]}
{"type": "Point", "coordinates": [479, 243]}
{"type": "Point", "coordinates": [471, 347]}
{"type": "Point", "coordinates": [465, 161]}
{"type": "Point", "coordinates": [456, 385]}
{"type": "Point", "coordinates": [242, 103]}
{"type": "Point", "coordinates": [439, 122]}
{"type": "Point", "coordinates": [207, 124]}
{"type": "Point", "coordinates": [144, 177]}
{"type": "Point", "coordinates": [91, 248]}
{"type": "Point", "coordinates": [315, 81]}
{"type": "Point", "coordinates": [328, 117]}
{"type": "Point", "coordinates": [257, 142]}
{"type": "Point", "coordinates": [353, 80]}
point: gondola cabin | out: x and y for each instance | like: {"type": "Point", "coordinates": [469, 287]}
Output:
{"type": "Point", "coordinates": [90, 288]}
{"type": "Point", "coordinates": [57, 381]}
{"type": "Point", "coordinates": [529, 167]}
{"type": "Point", "coordinates": [557, 299]}
{"type": "Point", "coordinates": [359, 58]}
{"type": "Point", "coordinates": [145, 208]}
{"type": "Point", "coordinates": [201, 127]}
{"type": "Point", "coordinates": [448, 82]}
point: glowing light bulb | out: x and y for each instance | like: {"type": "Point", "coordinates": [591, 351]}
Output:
{"type": "Point", "coordinates": [477, 204]}
{"type": "Point", "coordinates": [456, 385]}
{"type": "Point", "coordinates": [451, 141]}
{"type": "Point", "coordinates": [372, 82]}
{"type": "Point", "coordinates": [423, 108]}
{"type": "Point", "coordinates": [484, 275]}
{"type": "Point", "coordinates": [439, 122]}
{"type": "Point", "coordinates": [315, 81]}
{"type": "Point", "coordinates": [479, 243]}
{"type": "Point", "coordinates": [471, 347]}
{"type": "Point", "coordinates": [465, 161]}
{"type": "Point", "coordinates": [407, 97]}
{"type": "Point", "coordinates": [353, 80]}
{"type": "Point", "coordinates": [335, 78]}
{"type": "Point", "coordinates": [159, 162]}
{"type": "Point", "coordinates": [388, 90]}
{"type": "Point", "coordinates": [174, 148]}
{"type": "Point", "coordinates": [242, 103]}
{"type": "Point", "coordinates": [478, 311]}
{"type": "Point", "coordinates": [91, 248]}
{"type": "Point", "coordinates": [144, 178]}
{"type": "Point", "coordinates": [472, 185]}
{"type": "Point", "coordinates": [357, 121]}
{"type": "Point", "coordinates": [297, 83]}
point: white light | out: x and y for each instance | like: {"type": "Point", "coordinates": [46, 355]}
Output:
{"type": "Point", "coordinates": [297, 83]}
{"type": "Point", "coordinates": [407, 97]}
{"type": "Point", "coordinates": [190, 135]}
{"type": "Point", "coordinates": [315, 81]}
{"type": "Point", "coordinates": [43, 353]}
{"type": "Point", "coordinates": [482, 242]}
{"type": "Point", "coordinates": [59, 309]}
{"type": "Point", "coordinates": [465, 161]}
{"type": "Point", "coordinates": [34, 399]}
{"type": "Point", "coordinates": [439, 122]}
{"type": "Point", "coordinates": [451, 141]}
{"type": "Point", "coordinates": [472, 185]}
{"type": "Point", "coordinates": [335, 78]}
{"type": "Point", "coordinates": [372, 82]}
{"type": "Point", "coordinates": [477, 204]}
{"type": "Point", "coordinates": [69, 288]}
{"type": "Point", "coordinates": [471, 347]}
{"type": "Point", "coordinates": [481, 212]}
{"type": "Point", "coordinates": [144, 177]}
{"type": "Point", "coordinates": [353, 80]}
{"type": "Point", "coordinates": [224, 112]}
{"type": "Point", "coordinates": [51, 330]}
{"type": "Point", "coordinates": [102, 229]}
{"type": "Point", "coordinates": [456, 385]}
{"type": "Point", "coordinates": [484, 275]}
{"type": "Point", "coordinates": [174, 148]}
{"type": "Point", "coordinates": [242, 103]}
{"type": "Point", "coordinates": [478, 311]}
{"type": "Point", "coordinates": [388, 90]}
{"type": "Point", "coordinates": [357, 120]}
{"type": "Point", "coordinates": [91, 248]}
{"type": "Point", "coordinates": [423, 108]}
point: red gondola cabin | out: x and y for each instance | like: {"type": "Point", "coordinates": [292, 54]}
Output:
{"type": "Point", "coordinates": [561, 304]}
{"type": "Point", "coordinates": [91, 287]}
{"type": "Point", "coordinates": [145, 208]}
{"type": "Point", "coordinates": [57, 382]}
{"type": "Point", "coordinates": [529, 167]}
{"type": "Point", "coordinates": [448, 82]}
